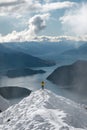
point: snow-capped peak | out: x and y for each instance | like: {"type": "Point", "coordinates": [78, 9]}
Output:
{"type": "Point", "coordinates": [44, 110]}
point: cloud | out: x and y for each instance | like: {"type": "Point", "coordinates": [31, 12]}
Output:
{"type": "Point", "coordinates": [75, 21]}
{"type": "Point", "coordinates": [10, 3]}
{"type": "Point", "coordinates": [21, 7]}
{"type": "Point", "coordinates": [11, 7]}
{"type": "Point", "coordinates": [61, 38]}
{"type": "Point", "coordinates": [57, 5]}
{"type": "Point", "coordinates": [38, 23]}
{"type": "Point", "coordinates": [25, 36]}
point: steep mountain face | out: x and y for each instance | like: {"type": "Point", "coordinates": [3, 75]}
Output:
{"type": "Point", "coordinates": [43, 110]}
{"type": "Point", "coordinates": [11, 59]}
{"type": "Point", "coordinates": [4, 104]}
{"type": "Point", "coordinates": [72, 76]}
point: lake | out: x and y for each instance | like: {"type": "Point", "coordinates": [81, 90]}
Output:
{"type": "Point", "coordinates": [34, 83]}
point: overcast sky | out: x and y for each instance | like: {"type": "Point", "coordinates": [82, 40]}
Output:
{"type": "Point", "coordinates": [25, 20]}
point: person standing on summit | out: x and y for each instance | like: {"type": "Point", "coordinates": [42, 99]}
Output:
{"type": "Point", "coordinates": [42, 85]}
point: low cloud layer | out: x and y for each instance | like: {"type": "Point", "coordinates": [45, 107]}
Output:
{"type": "Point", "coordinates": [25, 36]}
{"type": "Point", "coordinates": [75, 21]}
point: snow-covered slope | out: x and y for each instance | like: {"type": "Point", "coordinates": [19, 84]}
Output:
{"type": "Point", "coordinates": [4, 104]}
{"type": "Point", "coordinates": [43, 110]}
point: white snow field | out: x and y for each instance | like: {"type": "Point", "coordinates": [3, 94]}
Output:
{"type": "Point", "coordinates": [4, 104]}
{"type": "Point", "coordinates": [44, 110]}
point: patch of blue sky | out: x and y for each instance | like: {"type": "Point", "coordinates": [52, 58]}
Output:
{"type": "Point", "coordinates": [9, 24]}
{"type": "Point", "coordinates": [54, 27]}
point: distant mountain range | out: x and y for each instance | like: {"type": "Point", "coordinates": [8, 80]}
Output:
{"type": "Point", "coordinates": [14, 59]}
{"type": "Point", "coordinates": [31, 54]}
{"type": "Point", "coordinates": [50, 51]}
{"type": "Point", "coordinates": [74, 54]}
{"type": "Point", "coordinates": [40, 48]}
{"type": "Point", "coordinates": [82, 50]}
{"type": "Point", "coordinates": [44, 50]}
{"type": "Point", "coordinates": [72, 76]}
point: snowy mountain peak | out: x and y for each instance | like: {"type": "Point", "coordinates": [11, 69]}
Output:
{"type": "Point", "coordinates": [44, 110]}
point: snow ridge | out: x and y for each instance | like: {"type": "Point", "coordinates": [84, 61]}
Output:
{"type": "Point", "coordinates": [44, 110]}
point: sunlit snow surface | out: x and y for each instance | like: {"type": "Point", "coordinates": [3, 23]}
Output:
{"type": "Point", "coordinates": [43, 110]}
